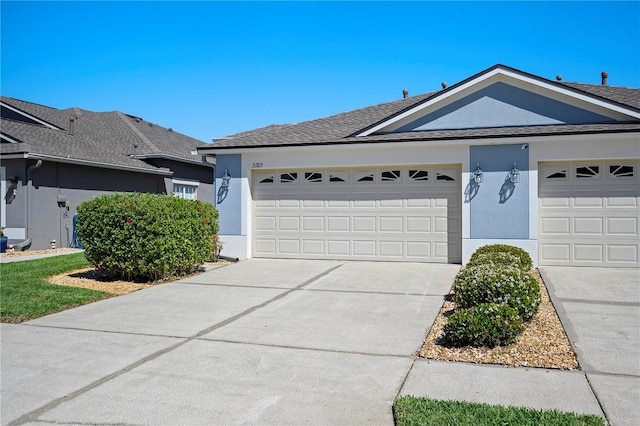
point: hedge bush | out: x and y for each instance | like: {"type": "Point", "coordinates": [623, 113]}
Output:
{"type": "Point", "coordinates": [487, 324]}
{"type": "Point", "coordinates": [525, 262]}
{"type": "Point", "coordinates": [146, 236]}
{"type": "Point", "coordinates": [475, 285]}
{"type": "Point", "coordinates": [498, 259]}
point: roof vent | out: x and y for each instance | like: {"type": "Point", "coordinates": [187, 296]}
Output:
{"type": "Point", "coordinates": [405, 93]}
{"type": "Point", "coordinates": [72, 121]}
{"type": "Point", "coordinates": [604, 77]}
{"type": "Point", "coordinates": [444, 85]}
{"type": "Point", "coordinates": [559, 77]}
{"type": "Point", "coordinates": [170, 129]}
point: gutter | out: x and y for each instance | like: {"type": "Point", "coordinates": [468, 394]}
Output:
{"type": "Point", "coordinates": [168, 157]}
{"type": "Point", "coordinates": [69, 160]}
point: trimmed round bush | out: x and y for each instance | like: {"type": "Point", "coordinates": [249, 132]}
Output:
{"type": "Point", "coordinates": [487, 324]}
{"type": "Point", "coordinates": [146, 236]}
{"type": "Point", "coordinates": [498, 259]}
{"type": "Point", "coordinates": [524, 263]}
{"type": "Point", "coordinates": [480, 284]}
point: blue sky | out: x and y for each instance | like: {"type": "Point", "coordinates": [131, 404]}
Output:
{"type": "Point", "coordinates": [209, 69]}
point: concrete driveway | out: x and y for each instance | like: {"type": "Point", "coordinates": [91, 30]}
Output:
{"type": "Point", "coordinates": [258, 342]}
{"type": "Point", "coordinates": [600, 311]}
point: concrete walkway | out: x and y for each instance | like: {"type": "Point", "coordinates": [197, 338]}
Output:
{"type": "Point", "coordinates": [266, 342]}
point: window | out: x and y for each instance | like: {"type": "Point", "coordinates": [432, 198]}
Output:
{"type": "Point", "coordinates": [288, 177]}
{"type": "Point", "coordinates": [313, 177]}
{"type": "Point", "coordinates": [338, 177]}
{"type": "Point", "coordinates": [188, 192]}
{"type": "Point", "coordinates": [618, 171]}
{"type": "Point", "coordinates": [390, 175]}
{"type": "Point", "coordinates": [363, 176]}
{"type": "Point", "coordinates": [587, 171]}
{"type": "Point", "coordinates": [419, 175]}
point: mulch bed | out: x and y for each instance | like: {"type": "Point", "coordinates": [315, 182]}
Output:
{"type": "Point", "coordinates": [544, 342]}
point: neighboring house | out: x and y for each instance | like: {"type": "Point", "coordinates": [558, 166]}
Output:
{"type": "Point", "coordinates": [52, 160]}
{"type": "Point", "coordinates": [501, 157]}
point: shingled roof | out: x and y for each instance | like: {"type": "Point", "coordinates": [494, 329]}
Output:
{"type": "Point", "coordinates": [343, 128]}
{"type": "Point", "coordinates": [106, 139]}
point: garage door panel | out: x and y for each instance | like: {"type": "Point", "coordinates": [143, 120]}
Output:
{"type": "Point", "coordinates": [288, 246]}
{"type": "Point", "coordinates": [364, 248]}
{"type": "Point", "coordinates": [588, 252]}
{"type": "Point", "coordinates": [338, 224]}
{"type": "Point", "coordinates": [414, 201]}
{"type": "Point", "coordinates": [313, 223]}
{"type": "Point", "coordinates": [555, 226]}
{"type": "Point", "coordinates": [382, 214]}
{"type": "Point", "coordinates": [265, 246]}
{"type": "Point", "coordinates": [364, 224]}
{"type": "Point", "coordinates": [622, 253]}
{"type": "Point", "coordinates": [339, 248]}
{"type": "Point", "coordinates": [418, 249]}
{"type": "Point", "coordinates": [265, 223]}
{"type": "Point", "coordinates": [601, 211]}
{"type": "Point", "coordinates": [391, 224]}
{"type": "Point", "coordinates": [622, 226]}
{"type": "Point", "coordinates": [391, 248]}
{"type": "Point", "coordinates": [588, 226]}
{"type": "Point", "coordinates": [418, 224]}
{"type": "Point", "coordinates": [313, 247]}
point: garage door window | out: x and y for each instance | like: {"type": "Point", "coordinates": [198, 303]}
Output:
{"type": "Point", "coordinates": [587, 172]}
{"type": "Point", "coordinates": [621, 171]}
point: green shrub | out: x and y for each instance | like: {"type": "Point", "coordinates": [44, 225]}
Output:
{"type": "Point", "coordinates": [146, 236]}
{"type": "Point", "coordinates": [475, 285]}
{"type": "Point", "coordinates": [525, 262]}
{"type": "Point", "coordinates": [487, 324]}
{"type": "Point", "coordinates": [497, 259]}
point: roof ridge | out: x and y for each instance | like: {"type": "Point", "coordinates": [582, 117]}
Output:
{"type": "Point", "coordinates": [141, 135]}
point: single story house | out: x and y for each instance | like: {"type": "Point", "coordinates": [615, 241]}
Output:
{"type": "Point", "coordinates": [501, 157]}
{"type": "Point", "coordinates": [54, 159]}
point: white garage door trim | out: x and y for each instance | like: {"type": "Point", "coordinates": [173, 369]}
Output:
{"type": "Point", "coordinates": [386, 213]}
{"type": "Point", "coordinates": [589, 213]}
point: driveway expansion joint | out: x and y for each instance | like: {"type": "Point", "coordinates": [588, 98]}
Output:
{"type": "Point", "coordinates": [34, 414]}
{"type": "Point", "coordinates": [304, 348]}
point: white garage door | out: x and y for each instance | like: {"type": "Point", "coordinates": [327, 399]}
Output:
{"type": "Point", "coordinates": [588, 213]}
{"type": "Point", "coordinates": [387, 214]}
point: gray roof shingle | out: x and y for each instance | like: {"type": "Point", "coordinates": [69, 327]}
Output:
{"type": "Point", "coordinates": [98, 137]}
{"type": "Point", "coordinates": [342, 128]}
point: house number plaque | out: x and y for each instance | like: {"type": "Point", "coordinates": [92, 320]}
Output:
{"type": "Point", "coordinates": [257, 165]}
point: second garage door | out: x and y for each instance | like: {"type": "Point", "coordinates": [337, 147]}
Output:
{"type": "Point", "coordinates": [386, 214]}
{"type": "Point", "coordinates": [589, 213]}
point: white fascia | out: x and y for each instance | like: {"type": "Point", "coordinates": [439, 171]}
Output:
{"type": "Point", "coordinates": [553, 91]}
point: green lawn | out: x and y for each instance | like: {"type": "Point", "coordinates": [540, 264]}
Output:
{"type": "Point", "coordinates": [24, 294]}
{"type": "Point", "coordinates": [413, 411]}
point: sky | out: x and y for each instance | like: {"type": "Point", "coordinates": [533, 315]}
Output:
{"type": "Point", "coordinates": [210, 69]}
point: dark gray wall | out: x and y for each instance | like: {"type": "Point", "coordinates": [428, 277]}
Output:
{"type": "Point", "coordinates": [48, 220]}
{"type": "Point", "coordinates": [202, 174]}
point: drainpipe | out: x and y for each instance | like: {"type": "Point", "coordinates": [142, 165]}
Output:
{"type": "Point", "coordinates": [26, 214]}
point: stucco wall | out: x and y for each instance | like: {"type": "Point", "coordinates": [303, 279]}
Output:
{"type": "Point", "coordinates": [499, 208]}
{"type": "Point", "coordinates": [47, 219]}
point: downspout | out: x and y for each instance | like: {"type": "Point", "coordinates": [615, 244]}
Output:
{"type": "Point", "coordinates": [27, 241]}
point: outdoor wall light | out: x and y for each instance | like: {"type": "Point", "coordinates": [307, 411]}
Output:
{"type": "Point", "coordinates": [226, 179]}
{"type": "Point", "coordinates": [13, 185]}
{"type": "Point", "coordinates": [477, 175]}
{"type": "Point", "coordinates": [514, 174]}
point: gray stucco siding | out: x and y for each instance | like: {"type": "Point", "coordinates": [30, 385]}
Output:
{"type": "Point", "coordinates": [499, 208]}
{"type": "Point", "coordinates": [501, 105]}
{"type": "Point", "coordinates": [229, 202]}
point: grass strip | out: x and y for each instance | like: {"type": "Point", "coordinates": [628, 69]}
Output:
{"type": "Point", "coordinates": [412, 411]}
{"type": "Point", "coordinates": [25, 295]}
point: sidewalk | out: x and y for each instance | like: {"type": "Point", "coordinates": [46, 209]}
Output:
{"type": "Point", "coordinates": [9, 258]}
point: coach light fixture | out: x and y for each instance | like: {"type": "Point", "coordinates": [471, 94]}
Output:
{"type": "Point", "coordinates": [514, 174]}
{"type": "Point", "coordinates": [226, 179]}
{"type": "Point", "coordinates": [477, 175]}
